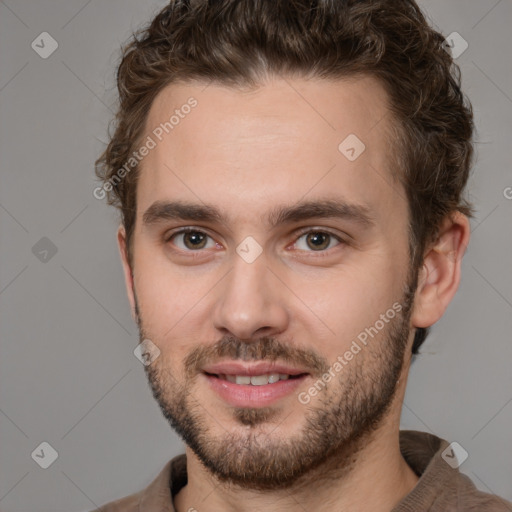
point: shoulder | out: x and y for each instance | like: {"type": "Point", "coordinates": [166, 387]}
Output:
{"type": "Point", "coordinates": [473, 500]}
{"type": "Point", "coordinates": [441, 486]}
{"type": "Point", "coordinates": [127, 504]}
{"type": "Point", "coordinates": [157, 495]}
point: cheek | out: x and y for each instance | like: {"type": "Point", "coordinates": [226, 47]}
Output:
{"type": "Point", "coordinates": [157, 281]}
{"type": "Point", "coordinates": [173, 308]}
{"type": "Point", "coordinates": [334, 311]}
{"type": "Point", "coordinates": [163, 299]}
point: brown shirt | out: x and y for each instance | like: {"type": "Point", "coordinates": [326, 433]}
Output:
{"type": "Point", "coordinates": [439, 489]}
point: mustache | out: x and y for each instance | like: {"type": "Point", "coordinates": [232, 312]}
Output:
{"type": "Point", "coordinates": [262, 349]}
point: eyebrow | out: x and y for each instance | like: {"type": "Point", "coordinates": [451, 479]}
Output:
{"type": "Point", "coordinates": [161, 211]}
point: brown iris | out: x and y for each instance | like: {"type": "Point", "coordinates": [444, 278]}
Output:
{"type": "Point", "coordinates": [318, 240]}
{"type": "Point", "coordinates": [194, 239]}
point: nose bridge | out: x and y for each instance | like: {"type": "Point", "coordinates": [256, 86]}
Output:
{"type": "Point", "coordinates": [250, 302]}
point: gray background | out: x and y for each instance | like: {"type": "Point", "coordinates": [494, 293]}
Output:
{"type": "Point", "coordinates": [68, 375]}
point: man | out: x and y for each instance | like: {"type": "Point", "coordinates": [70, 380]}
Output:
{"type": "Point", "coordinates": [290, 177]}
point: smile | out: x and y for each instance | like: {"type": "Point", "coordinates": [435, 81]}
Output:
{"type": "Point", "coordinates": [255, 380]}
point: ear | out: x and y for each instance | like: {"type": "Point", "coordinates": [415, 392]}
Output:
{"type": "Point", "coordinates": [440, 274]}
{"type": "Point", "coordinates": [128, 275]}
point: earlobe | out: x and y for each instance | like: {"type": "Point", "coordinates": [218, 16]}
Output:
{"type": "Point", "coordinates": [127, 270]}
{"type": "Point", "coordinates": [440, 273]}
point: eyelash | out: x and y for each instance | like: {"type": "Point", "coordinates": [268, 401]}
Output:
{"type": "Point", "coordinates": [300, 234]}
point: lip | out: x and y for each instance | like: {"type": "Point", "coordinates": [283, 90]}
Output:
{"type": "Point", "coordinates": [247, 395]}
{"type": "Point", "coordinates": [251, 369]}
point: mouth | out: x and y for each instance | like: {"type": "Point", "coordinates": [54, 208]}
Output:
{"type": "Point", "coordinates": [255, 380]}
{"type": "Point", "coordinates": [244, 384]}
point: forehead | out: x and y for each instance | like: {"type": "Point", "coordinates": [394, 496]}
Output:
{"type": "Point", "coordinates": [276, 143]}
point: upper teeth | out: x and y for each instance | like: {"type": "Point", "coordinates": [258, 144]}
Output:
{"type": "Point", "coordinates": [255, 380]}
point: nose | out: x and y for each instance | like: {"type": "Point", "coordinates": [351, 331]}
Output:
{"type": "Point", "coordinates": [251, 301]}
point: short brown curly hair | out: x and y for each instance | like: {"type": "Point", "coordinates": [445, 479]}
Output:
{"type": "Point", "coordinates": [239, 42]}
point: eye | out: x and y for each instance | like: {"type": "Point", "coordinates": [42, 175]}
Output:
{"type": "Point", "coordinates": [317, 241]}
{"type": "Point", "coordinates": [194, 240]}
{"type": "Point", "coordinates": [191, 239]}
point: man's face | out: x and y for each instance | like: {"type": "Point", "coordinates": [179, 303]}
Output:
{"type": "Point", "coordinates": [277, 285]}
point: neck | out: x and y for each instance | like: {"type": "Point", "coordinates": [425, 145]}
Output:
{"type": "Point", "coordinates": [377, 478]}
